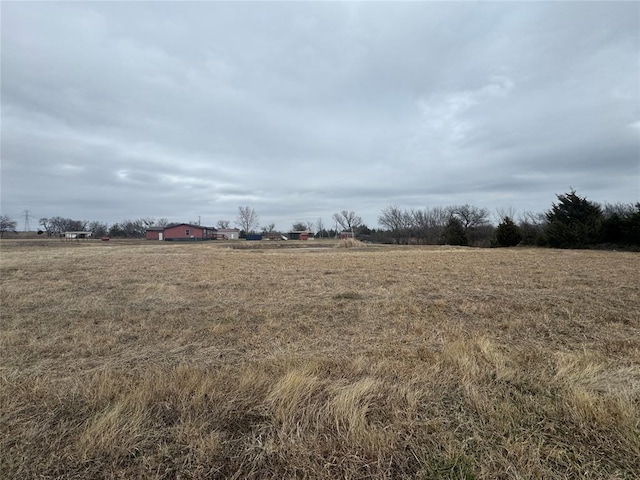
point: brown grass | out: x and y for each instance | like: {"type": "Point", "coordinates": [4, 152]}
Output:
{"type": "Point", "coordinates": [158, 360]}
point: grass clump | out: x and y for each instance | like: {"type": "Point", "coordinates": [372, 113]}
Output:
{"type": "Point", "coordinates": [348, 296]}
{"type": "Point", "coordinates": [350, 243]}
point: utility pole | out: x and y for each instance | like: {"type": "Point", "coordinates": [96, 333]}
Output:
{"type": "Point", "coordinates": [26, 214]}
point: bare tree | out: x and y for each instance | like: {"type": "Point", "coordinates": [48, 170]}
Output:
{"type": "Point", "coordinates": [162, 222]}
{"type": "Point", "coordinates": [46, 225]}
{"type": "Point", "coordinates": [133, 228]}
{"type": "Point", "coordinates": [298, 226]}
{"type": "Point", "coordinates": [98, 229]}
{"type": "Point", "coordinates": [223, 224]}
{"type": "Point", "coordinates": [7, 224]}
{"type": "Point", "coordinates": [247, 219]}
{"type": "Point", "coordinates": [502, 212]}
{"type": "Point", "coordinates": [302, 225]}
{"type": "Point", "coordinates": [533, 218]}
{"type": "Point", "coordinates": [396, 220]}
{"type": "Point", "coordinates": [148, 222]}
{"type": "Point", "coordinates": [320, 227]}
{"type": "Point", "coordinates": [348, 220]}
{"type": "Point", "coordinates": [531, 226]}
{"type": "Point", "coordinates": [269, 229]}
{"type": "Point", "coordinates": [620, 209]}
{"type": "Point", "coordinates": [475, 223]}
{"type": "Point", "coordinates": [59, 225]}
{"type": "Point", "coordinates": [470, 216]}
{"type": "Point", "coordinates": [430, 223]}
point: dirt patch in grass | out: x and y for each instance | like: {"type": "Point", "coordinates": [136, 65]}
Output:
{"type": "Point", "coordinates": [163, 361]}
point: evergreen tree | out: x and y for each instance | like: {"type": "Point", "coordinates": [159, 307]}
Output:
{"type": "Point", "coordinates": [631, 228]}
{"type": "Point", "coordinates": [508, 233]}
{"type": "Point", "coordinates": [454, 233]}
{"type": "Point", "coordinates": [622, 228]}
{"type": "Point", "coordinates": [573, 222]}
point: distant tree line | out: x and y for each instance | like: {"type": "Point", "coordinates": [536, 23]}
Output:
{"type": "Point", "coordinates": [56, 226]}
{"type": "Point", "coordinates": [453, 225]}
{"type": "Point", "coordinates": [572, 222]}
{"type": "Point", "coordinates": [135, 228]}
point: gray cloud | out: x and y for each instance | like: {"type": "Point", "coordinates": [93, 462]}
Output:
{"type": "Point", "coordinates": [121, 110]}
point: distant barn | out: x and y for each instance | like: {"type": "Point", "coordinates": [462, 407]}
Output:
{"type": "Point", "coordinates": [300, 235]}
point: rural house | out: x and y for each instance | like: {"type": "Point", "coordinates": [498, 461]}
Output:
{"type": "Point", "coordinates": [181, 232]}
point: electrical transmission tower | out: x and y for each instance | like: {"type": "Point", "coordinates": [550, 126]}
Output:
{"type": "Point", "coordinates": [27, 226]}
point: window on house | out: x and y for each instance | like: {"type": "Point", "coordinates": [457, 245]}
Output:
{"type": "Point", "coordinates": [187, 232]}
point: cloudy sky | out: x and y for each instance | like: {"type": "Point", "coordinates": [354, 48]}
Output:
{"type": "Point", "coordinates": [121, 110]}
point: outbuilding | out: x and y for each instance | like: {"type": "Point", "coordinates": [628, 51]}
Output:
{"type": "Point", "coordinates": [299, 235]}
{"type": "Point", "coordinates": [77, 235]}
{"type": "Point", "coordinates": [227, 234]}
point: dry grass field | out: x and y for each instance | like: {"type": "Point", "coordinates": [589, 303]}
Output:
{"type": "Point", "coordinates": [153, 360]}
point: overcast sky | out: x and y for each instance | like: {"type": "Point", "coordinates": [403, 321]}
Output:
{"type": "Point", "coordinates": [114, 111]}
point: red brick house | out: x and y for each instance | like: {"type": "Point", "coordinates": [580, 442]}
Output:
{"type": "Point", "coordinates": [181, 232]}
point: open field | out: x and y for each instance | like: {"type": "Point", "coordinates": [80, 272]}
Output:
{"type": "Point", "coordinates": [165, 360]}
